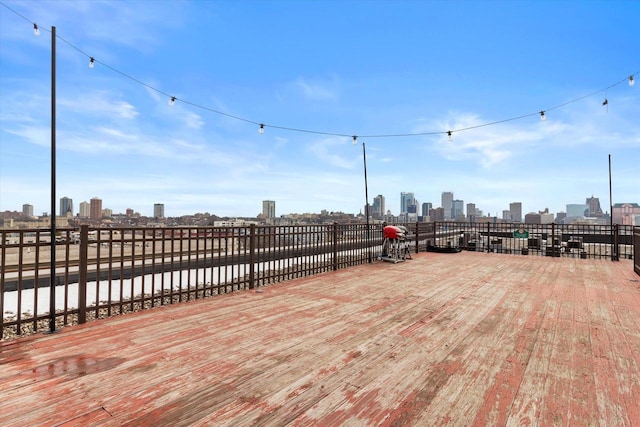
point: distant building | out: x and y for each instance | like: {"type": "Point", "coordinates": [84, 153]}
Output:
{"type": "Point", "coordinates": [85, 210]}
{"type": "Point", "coordinates": [457, 210]}
{"type": "Point", "coordinates": [95, 208]}
{"type": "Point", "coordinates": [594, 207]}
{"type": "Point", "coordinates": [378, 208]}
{"type": "Point", "coordinates": [407, 200]}
{"type": "Point", "coordinates": [158, 211]}
{"type": "Point", "coordinates": [577, 210]}
{"type": "Point", "coordinates": [625, 213]}
{"type": "Point", "coordinates": [426, 207]}
{"type": "Point", "coordinates": [447, 204]}
{"type": "Point", "coordinates": [538, 218]}
{"type": "Point", "coordinates": [268, 209]}
{"type": "Point", "coordinates": [516, 211]}
{"type": "Point", "coordinates": [27, 210]}
{"type": "Point", "coordinates": [471, 212]}
{"type": "Point", "coordinates": [506, 215]}
{"type": "Point", "coordinates": [66, 206]}
{"type": "Point", "coordinates": [437, 214]}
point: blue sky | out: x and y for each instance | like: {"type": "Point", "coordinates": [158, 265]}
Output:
{"type": "Point", "coordinates": [335, 68]}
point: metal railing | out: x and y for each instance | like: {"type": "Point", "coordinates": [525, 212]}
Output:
{"type": "Point", "coordinates": [636, 250]}
{"type": "Point", "coordinates": [103, 272]}
{"type": "Point", "coordinates": [556, 240]}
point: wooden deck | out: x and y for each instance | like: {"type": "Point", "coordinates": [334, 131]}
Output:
{"type": "Point", "coordinates": [443, 339]}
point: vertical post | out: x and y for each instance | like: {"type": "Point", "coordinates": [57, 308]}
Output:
{"type": "Point", "coordinates": [52, 286]}
{"type": "Point", "coordinates": [489, 235]}
{"type": "Point", "coordinates": [82, 278]}
{"type": "Point", "coordinates": [553, 239]}
{"type": "Point", "coordinates": [417, 237]}
{"type": "Point", "coordinates": [366, 197]}
{"type": "Point", "coordinates": [616, 239]}
{"type": "Point", "coordinates": [252, 255]}
{"type": "Point", "coordinates": [613, 254]}
{"type": "Point", "coordinates": [335, 246]}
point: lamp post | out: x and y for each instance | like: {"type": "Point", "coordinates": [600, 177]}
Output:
{"type": "Point", "coordinates": [366, 197]}
{"type": "Point", "coordinates": [52, 285]}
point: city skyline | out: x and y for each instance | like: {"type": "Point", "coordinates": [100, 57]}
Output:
{"type": "Point", "coordinates": [592, 206]}
{"type": "Point", "coordinates": [315, 74]}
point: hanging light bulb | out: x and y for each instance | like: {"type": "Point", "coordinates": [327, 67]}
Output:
{"type": "Point", "coordinates": [261, 130]}
{"type": "Point", "coordinates": [92, 62]}
{"type": "Point", "coordinates": [450, 136]}
{"type": "Point", "coordinates": [172, 100]}
{"type": "Point", "coordinates": [36, 30]}
{"type": "Point", "coordinates": [542, 116]}
{"type": "Point", "coordinates": [631, 81]}
{"type": "Point", "coordinates": [355, 139]}
{"type": "Point", "coordinates": [605, 102]}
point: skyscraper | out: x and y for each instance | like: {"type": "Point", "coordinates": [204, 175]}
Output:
{"type": "Point", "coordinates": [594, 206]}
{"type": "Point", "coordinates": [447, 204]}
{"type": "Point", "coordinates": [471, 212]}
{"type": "Point", "coordinates": [95, 208]}
{"type": "Point", "coordinates": [406, 200]}
{"type": "Point", "coordinates": [85, 210]}
{"type": "Point", "coordinates": [457, 210]}
{"type": "Point", "coordinates": [158, 210]}
{"type": "Point", "coordinates": [516, 211]}
{"type": "Point", "coordinates": [268, 209]}
{"type": "Point", "coordinates": [426, 207]}
{"type": "Point", "coordinates": [378, 209]}
{"type": "Point", "coordinates": [27, 210]}
{"type": "Point", "coordinates": [66, 206]}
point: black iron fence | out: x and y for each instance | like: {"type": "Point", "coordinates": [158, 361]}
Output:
{"type": "Point", "coordinates": [636, 249]}
{"type": "Point", "coordinates": [556, 240]}
{"type": "Point", "coordinates": [102, 272]}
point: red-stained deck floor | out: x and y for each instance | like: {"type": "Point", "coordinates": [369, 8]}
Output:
{"type": "Point", "coordinates": [443, 339]}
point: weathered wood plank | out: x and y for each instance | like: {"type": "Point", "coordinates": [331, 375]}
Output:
{"type": "Point", "coordinates": [457, 339]}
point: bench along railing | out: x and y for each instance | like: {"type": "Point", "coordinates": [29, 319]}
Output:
{"type": "Point", "coordinates": [102, 272]}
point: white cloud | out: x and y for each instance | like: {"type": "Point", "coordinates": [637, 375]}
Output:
{"type": "Point", "coordinates": [101, 104]}
{"type": "Point", "coordinates": [317, 90]}
{"type": "Point", "coordinates": [326, 151]}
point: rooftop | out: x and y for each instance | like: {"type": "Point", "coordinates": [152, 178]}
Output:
{"type": "Point", "coordinates": [443, 339]}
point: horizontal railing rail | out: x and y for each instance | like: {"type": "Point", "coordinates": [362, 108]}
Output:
{"type": "Point", "coordinates": [102, 272]}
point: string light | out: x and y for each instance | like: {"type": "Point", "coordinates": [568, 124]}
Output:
{"type": "Point", "coordinates": [355, 140]}
{"type": "Point", "coordinates": [630, 79]}
{"type": "Point", "coordinates": [261, 130]}
{"type": "Point", "coordinates": [605, 102]}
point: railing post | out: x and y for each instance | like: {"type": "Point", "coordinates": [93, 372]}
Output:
{"type": "Point", "coordinates": [616, 237]}
{"type": "Point", "coordinates": [252, 255]}
{"type": "Point", "coordinates": [82, 274]}
{"type": "Point", "coordinates": [417, 237]}
{"type": "Point", "coordinates": [435, 226]}
{"type": "Point", "coordinates": [489, 235]}
{"type": "Point", "coordinates": [335, 246]}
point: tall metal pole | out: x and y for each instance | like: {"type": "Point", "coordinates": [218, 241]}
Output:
{"type": "Point", "coordinates": [52, 287]}
{"type": "Point", "coordinates": [366, 197]}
